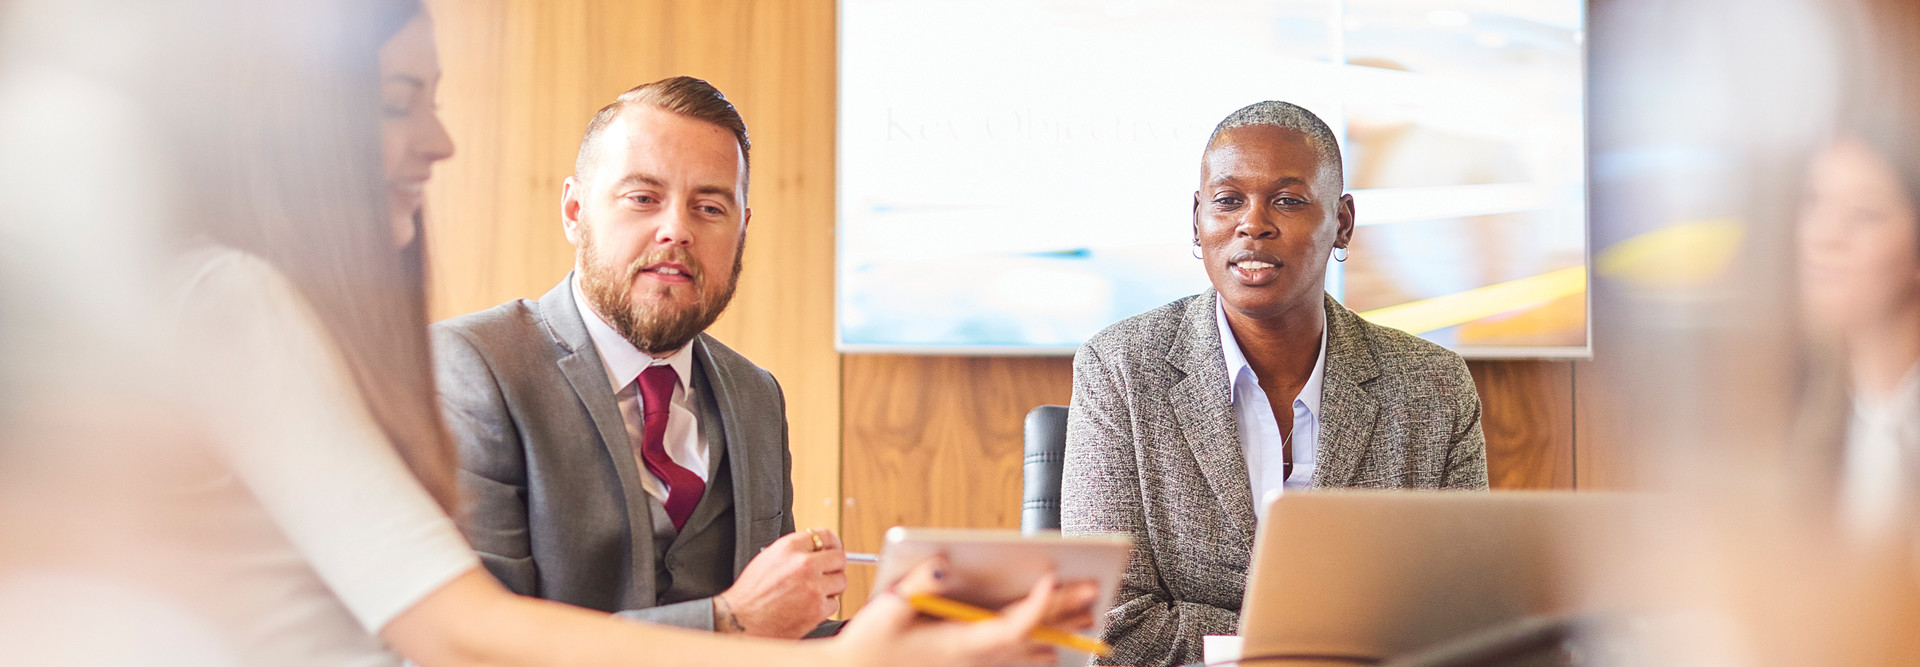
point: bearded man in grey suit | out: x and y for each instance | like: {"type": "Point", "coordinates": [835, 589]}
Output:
{"type": "Point", "coordinates": [1185, 415]}
{"type": "Point", "coordinates": [612, 455]}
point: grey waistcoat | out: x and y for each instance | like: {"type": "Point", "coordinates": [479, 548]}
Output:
{"type": "Point", "coordinates": [698, 559]}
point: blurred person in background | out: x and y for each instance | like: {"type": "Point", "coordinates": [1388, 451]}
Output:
{"type": "Point", "coordinates": [1185, 417]}
{"type": "Point", "coordinates": [1860, 272]}
{"type": "Point", "coordinates": [1691, 391]}
{"type": "Point", "coordinates": [314, 528]}
{"type": "Point", "coordinates": [620, 458]}
{"type": "Point", "coordinates": [1858, 240]}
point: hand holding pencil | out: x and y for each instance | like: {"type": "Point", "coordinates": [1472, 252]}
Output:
{"type": "Point", "coordinates": [1017, 635]}
{"type": "Point", "coordinates": [954, 610]}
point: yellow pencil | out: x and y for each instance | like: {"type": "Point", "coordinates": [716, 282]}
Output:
{"type": "Point", "coordinates": [934, 605]}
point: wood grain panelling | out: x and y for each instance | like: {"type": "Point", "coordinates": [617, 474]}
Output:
{"type": "Point", "coordinates": [1526, 412]}
{"type": "Point", "coordinates": [521, 80]}
{"type": "Point", "coordinates": [1599, 467]}
{"type": "Point", "coordinates": [936, 441]}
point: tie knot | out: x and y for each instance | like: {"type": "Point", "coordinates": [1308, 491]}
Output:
{"type": "Point", "coordinates": [656, 388]}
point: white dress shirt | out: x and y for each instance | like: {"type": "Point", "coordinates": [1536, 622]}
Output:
{"type": "Point", "coordinates": [623, 364]}
{"type": "Point", "coordinates": [1259, 432]}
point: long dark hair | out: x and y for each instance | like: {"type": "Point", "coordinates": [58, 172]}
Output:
{"type": "Point", "coordinates": [303, 187]}
{"type": "Point", "coordinates": [1880, 99]}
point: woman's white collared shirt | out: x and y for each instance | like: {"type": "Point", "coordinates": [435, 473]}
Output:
{"type": "Point", "coordinates": [1260, 437]}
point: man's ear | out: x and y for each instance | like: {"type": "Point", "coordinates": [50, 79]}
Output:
{"type": "Point", "coordinates": [746, 216]}
{"type": "Point", "coordinates": [570, 193]}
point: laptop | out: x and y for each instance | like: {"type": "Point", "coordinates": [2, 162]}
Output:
{"type": "Point", "coordinates": [1360, 577]}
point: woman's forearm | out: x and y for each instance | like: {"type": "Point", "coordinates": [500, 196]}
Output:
{"type": "Point", "coordinates": [474, 621]}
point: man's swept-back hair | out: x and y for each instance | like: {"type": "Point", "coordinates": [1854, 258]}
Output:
{"type": "Point", "coordinates": [1286, 116]}
{"type": "Point", "coordinates": [683, 95]}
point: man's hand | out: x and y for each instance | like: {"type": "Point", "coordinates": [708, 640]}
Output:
{"type": "Point", "coordinates": [793, 585]}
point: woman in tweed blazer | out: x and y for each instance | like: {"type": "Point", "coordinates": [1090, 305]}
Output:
{"type": "Point", "coordinates": [1153, 443]}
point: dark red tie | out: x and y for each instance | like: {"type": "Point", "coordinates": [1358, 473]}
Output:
{"type": "Point", "coordinates": [683, 486]}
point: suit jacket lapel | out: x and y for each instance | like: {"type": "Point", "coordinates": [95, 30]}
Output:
{"type": "Point", "coordinates": [713, 430]}
{"type": "Point", "coordinates": [588, 377]}
{"type": "Point", "coordinates": [1347, 408]}
{"type": "Point", "coordinates": [744, 508]}
{"type": "Point", "coordinates": [1202, 402]}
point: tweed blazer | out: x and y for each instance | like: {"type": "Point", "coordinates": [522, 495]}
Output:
{"type": "Point", "coordinates": [554, 503]}
{"type": "Point", "coordinates": [1153, 450]}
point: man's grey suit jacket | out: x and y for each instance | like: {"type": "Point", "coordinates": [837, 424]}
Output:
{"type": "Point", "coordinates": [552, 493]}
{"type": "Point", "coordinates": [1153, 450]}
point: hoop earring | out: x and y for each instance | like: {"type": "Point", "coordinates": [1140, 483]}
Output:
{"type": "Point", "coordinates": [1196, 250]}
{"type": "Point", "coordinates": [1340, 253]}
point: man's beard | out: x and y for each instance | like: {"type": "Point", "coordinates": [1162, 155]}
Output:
{"type": "Point", "coordinates": [655, 328]}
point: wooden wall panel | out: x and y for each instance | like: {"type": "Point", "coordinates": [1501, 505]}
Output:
{"type": "Point", "coordinates": [1597, 466]}
{"type": "Point", "coordinates": [1526, 411]}
{"type": "Point", "coordinates": [511, 97]}
{"type": "Point", "coordinates": [521, 80]}
{"type": "Point", "coordinates": [936, 441]}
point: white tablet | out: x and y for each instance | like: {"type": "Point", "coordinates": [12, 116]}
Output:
{"type": "Point", "coordinates": [992, 568]}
